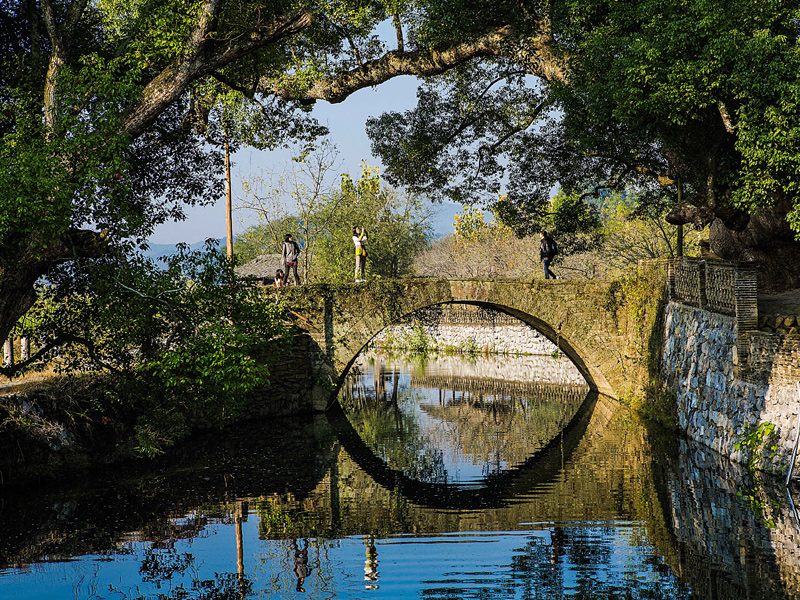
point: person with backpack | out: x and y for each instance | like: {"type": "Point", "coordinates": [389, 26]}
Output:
{"type": "Point", "coordinates": [289, 255]}
{"type": "Point", "coordinates": [547, 250]}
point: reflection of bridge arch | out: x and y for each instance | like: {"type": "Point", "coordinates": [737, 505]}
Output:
{"type": "Point", "coordinates": [497, 489]}
{"type": "Point", "coordinates": [573, 315]}
{"type": "Point", "coordinates": [500, 387]}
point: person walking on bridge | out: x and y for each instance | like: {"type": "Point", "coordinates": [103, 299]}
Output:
{"type": "Point", "coordinates": [547, 250]}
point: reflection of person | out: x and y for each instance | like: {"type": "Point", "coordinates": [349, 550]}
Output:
{"type": "Point", "coordinates": [557, 544]}
{"type": "Point", "coordinates": [289, 255]}
{"type": "Point", "coordinates": [371, 564]}
{"type": "Point", "coordinates": [301, 569]}
{"type": "Point", "coordinates": [547, 251]}
{"type": "Point", "coordinates": [360, 242]}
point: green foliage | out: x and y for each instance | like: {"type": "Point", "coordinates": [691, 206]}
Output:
{"type": "Point", "coordinates": [398, 226]}
{"type": "Point", "coordinates": [470, 346]}
{"type": "Point", "coordinates": [416, 340]}
{"type": "Point", "coordinates": [184, 345]}
{"type": "Point", "coordinates": [659, 95]}
{"type": "Point", "coordinates": [759, 443]}
{"type": "Point", "coordinates": [469, 224]}
{"type": "Point", "coordinates": [661, 78]}
{"type": "Point", "coordinates": [39, 194]}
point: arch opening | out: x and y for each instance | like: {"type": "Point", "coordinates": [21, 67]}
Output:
{"type": "Point", "coordinates": [591, 373]}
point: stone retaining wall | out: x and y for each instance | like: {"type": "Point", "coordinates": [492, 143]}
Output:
{"type": "Point", "coordinates": [499, 339]}
{"type": "Point", "coordinates": [719, 404]}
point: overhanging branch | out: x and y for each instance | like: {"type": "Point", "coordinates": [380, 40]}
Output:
{"type": "Point", "coordinates": [337, 88]}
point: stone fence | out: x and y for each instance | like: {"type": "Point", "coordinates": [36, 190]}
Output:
{"type": "Point", "coordinates": [723, 287]}
{"type": "Point", "coordinates": [736, 386]}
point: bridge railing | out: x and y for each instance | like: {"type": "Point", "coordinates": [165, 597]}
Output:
{"type": "Point", "coordinates": [725, 287]}
{"type": "Point", "coordinates": [720, 286]}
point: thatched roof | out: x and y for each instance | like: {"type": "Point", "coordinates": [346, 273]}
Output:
{"type": "Point", "coordinates": [261, 267]}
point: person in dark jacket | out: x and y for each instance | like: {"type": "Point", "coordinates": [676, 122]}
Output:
{"type": "Point", "coordinates": [289, 255]}
{"type": "Point", "coordinates": [547, 250]}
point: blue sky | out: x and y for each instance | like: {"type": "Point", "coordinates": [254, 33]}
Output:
{"type": "Point", "coordinates": [346, 123]}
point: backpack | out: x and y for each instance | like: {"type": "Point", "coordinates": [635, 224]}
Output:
{"type": "Point", "coordinates": [553, 246]}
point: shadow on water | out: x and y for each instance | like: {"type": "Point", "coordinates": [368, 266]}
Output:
{"type": "Point", "coordinates": [286, 457]}
{"type": "Point", "coordinates": [495, 490]}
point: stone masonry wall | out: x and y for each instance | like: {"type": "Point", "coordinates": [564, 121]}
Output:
{"type": "Point", "coordinates": [292, 387]}
{"type": "Point", "coordinates": [716, 406]}
{"type": "Point", "coordinates": [500, 339]}
{"type": "Point", "coordinates": [712, 513]}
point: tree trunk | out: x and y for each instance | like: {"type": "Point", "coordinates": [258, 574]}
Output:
{"type": "Point", "coordinates": [18, 295]}
{"type": "Point", "coordinates": [18, 278]}
{"type": "Point", "coordinates": [8, 353]}
{"type": "Point", "coordinates": [768, 241]}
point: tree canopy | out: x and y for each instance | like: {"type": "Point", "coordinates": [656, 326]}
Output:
{"type": "Point", "coordinates": [685, 99]}
{"type": "Point", "coordinates": [103, 102]}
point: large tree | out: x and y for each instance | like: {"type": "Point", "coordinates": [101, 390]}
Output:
{"type": "Point", "coordinates": [689, 102]}
{"type": "Point", "coordinates": [99, 100]}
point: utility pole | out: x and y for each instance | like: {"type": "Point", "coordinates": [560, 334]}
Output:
{"type": "Point", "coordinates": [228, 208]}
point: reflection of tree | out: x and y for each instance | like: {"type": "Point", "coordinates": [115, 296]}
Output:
{"type": "Point", "coordinates": [161, 565]}
{"type": "Point", "coordinates": [495, 430]}
{"type": "Point", "coordinates": [396, 436]}
{"type": "Point", "coordinates": [179, 570]}
{"type": "Point", "coordinates": [590, 563]}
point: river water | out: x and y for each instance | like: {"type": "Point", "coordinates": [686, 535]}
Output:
{"type": "Point", "coordinates": [449, 477]}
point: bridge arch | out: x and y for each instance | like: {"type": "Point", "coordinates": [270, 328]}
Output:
{"type": "Point", "coordinates": [594, 378]}
{"type": "Point", "coordinates": [578, 316]}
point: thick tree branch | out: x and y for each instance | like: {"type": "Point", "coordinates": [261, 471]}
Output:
{"type": "Point", "coordinates": [174, 80]}
{"type": "Point", "coordinates": [208, 12]}
{"type": "Point", "coordinates": [61, 41]}
{"type": "Point", "coordinates": [500, 42]}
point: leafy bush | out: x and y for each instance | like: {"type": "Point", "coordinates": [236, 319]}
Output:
{"type": "Point", "coordinates": [184, 345]}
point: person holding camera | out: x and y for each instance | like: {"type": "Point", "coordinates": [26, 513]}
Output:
{"type": "Point", "coordinates": [360, 242]}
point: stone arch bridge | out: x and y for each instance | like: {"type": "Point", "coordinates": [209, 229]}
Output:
{"type": "Point", "coordinates": [587, 320]}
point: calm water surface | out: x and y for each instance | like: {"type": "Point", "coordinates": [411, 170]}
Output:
{"type": "Point", "coordinates": [451, 478]}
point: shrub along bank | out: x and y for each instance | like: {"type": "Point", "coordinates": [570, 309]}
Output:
{"type": "Point", "coordinates": [148, 356]}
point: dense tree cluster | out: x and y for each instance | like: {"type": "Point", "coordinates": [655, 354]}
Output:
{"type": "Point", "coordinates": [692, 104]}
{"type": "Point", "coordinates": [322, 210]}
